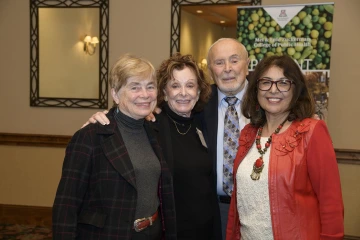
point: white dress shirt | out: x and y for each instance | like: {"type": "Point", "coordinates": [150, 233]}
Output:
{"type": "Point", "coordinates": [223, 105]}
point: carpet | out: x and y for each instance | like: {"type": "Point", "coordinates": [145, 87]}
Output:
{"type": "Point", "coordinates": [24, 232]}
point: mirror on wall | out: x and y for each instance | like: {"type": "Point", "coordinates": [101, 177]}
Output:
{"type": "Point", "coordinates": [197, 24]}
{"type": "Point", "coordinates": [69, 53]}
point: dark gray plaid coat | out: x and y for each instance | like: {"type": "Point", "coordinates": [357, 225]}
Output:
{"type": "Point", "coordinates": [96, 196]}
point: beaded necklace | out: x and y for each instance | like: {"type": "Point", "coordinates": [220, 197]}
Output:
{"type": "Point", "coordinates": [259, 163]}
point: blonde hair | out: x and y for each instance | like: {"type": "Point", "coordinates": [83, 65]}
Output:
{"type": "Point", "coordinates": [128, 66]}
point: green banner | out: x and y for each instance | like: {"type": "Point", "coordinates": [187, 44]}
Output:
{"type": "Point", "coordinates": [303, 32]}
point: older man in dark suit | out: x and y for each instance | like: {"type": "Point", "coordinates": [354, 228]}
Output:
{"type": "Point", "coordinates": [228, 66]}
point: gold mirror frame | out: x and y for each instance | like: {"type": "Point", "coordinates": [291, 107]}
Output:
{"type": "Point", "coordinates": [176, 16]}
{"type": "Point", "coordinates": [102, 100]}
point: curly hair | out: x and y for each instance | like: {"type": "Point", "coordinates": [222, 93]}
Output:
{"type": "Point", "coordinates": [301, 105]}
{"type": "Point", "coordinates": [179, 62]}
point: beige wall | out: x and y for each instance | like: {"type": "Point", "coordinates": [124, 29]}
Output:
{"type": "Point", "coordinates": [29, 176]}
{"type": "Point", "coordinates": [197, 35]}
{"type": "Point", "coordinates": [350, 177]}
{"type": "Point", "coordinates": [148, 35]}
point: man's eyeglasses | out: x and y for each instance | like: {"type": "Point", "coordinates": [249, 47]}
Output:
{"type": "Point", "coordinates": [283, 85]}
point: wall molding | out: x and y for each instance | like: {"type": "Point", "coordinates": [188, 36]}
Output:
{"type": "Point", "coordinates": [348, 237]}
{"type": "Point", "coordinates": [343, 156]}
{"type": "Point", "coordinates": [21, 214]}
{"type": "Point", "coordinates": [347, 156]}
{"type": "Point", "coordinates": [34, 140]}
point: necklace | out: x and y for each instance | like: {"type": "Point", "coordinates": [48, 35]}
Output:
{"type": "Point", "coordinates": [177, 129]}
{"type": "Point", "coordinates": [259, 163]}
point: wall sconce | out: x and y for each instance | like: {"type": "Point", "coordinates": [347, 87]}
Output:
{"type": "Point", "coordinates": [90, 44]}
{"type": "Point", "coordinates": [204, 63]}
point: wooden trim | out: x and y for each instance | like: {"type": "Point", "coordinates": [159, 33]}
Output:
{"type": "Point", "coordinates": [346, 156]}
{"type": "Point", "coordinates": [29, 215]}
{"type": "Point", "coordinates": [34, 140]}
{"type": "Point", "coordinates": [343, 156]}
{"type": "Point", "coordinates": [348, 237]}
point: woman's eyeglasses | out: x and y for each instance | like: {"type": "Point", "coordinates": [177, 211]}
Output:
{"type": "Point", "coordinates": [283, 85]}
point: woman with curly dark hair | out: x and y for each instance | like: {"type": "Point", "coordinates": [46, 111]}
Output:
{"type": "Point", "coordinates": [182, 93]}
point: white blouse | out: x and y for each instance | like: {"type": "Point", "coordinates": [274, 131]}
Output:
{"type": "Point", "coordinates": [253, 197]}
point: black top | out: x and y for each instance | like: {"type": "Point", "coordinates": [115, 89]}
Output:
{"type": "Point", "coordinates": [193, 173]}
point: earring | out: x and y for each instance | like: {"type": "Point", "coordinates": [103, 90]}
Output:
{"type": "Point", "coordinates": [257, 108]}
{"type": "Point", "coordinates": [165, 99]}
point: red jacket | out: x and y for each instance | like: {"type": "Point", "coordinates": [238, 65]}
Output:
{"type": "Point", "coordinates": [304, 183]}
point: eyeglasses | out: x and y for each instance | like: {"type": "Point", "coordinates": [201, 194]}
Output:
{"type": "Point", "coordinates": [283, 85]}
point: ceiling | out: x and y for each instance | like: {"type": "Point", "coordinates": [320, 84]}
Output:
{"type": "Point", "coordinates": [215, 13]}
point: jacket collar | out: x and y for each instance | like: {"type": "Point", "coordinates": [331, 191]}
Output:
{"type": "Point", "coordinates": [114, 149]}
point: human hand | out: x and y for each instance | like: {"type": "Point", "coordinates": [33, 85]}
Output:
{"type": "Point", "coordinates": [98, 117]}
{"type": "Point", "coordinates": [151, 116]}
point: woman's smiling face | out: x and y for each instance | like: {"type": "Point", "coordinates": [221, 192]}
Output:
{"type": "Point", "coordinates": [137, 98]}
{"type": "Point", "coordinates": [273, 101]}
{"type": "Point", "coordinates": [182, 91]}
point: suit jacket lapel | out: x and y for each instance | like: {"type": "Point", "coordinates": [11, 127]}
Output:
{"type": "Point", "coordinates": [211, 121]}
{"type": "Point", "coordinates": [115, 150]}
{"type": "Point", "coordinates": [211, 117]}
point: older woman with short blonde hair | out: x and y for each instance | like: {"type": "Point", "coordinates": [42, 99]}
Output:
{"type": "Point", "coordinates": [115, 183]}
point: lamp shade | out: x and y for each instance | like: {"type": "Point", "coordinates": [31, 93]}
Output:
{"type": "Point", "coordinates": [94, 40]}
{"type": "Point", "coordinates": [87, 39]}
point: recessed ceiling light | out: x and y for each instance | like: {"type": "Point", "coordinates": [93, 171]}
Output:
{"type": "Point", "coordinates": [199, 11]}
{"type": "Point", "coordinates": [222, 21]}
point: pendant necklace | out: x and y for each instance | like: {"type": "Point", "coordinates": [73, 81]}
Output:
{"type": "Point", "coordinates": [259, 163]}
{"type": "Point", "coordinates": [177, 129]}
